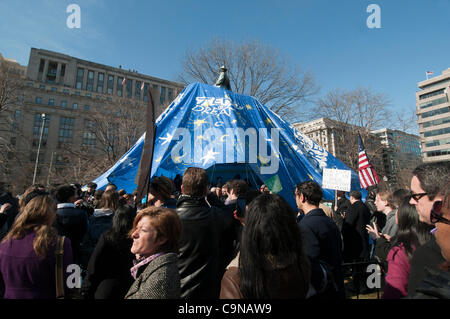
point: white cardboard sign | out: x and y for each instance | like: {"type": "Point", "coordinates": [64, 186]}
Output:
{"type": "Point", "coordinates": [337, 179]}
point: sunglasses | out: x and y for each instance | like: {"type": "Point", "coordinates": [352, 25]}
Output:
{"type": "Point", "coordinates": [417, 196]}
{"type": "Point", "coordinates": [436, 214]}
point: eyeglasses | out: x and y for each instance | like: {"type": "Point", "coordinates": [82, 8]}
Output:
{"type": "Point", "coordinates": [417, 196]}
{"type": "Point", "coordinates": [436, 214]}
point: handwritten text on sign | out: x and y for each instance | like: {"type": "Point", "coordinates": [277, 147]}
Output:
{"type": "Point", "coordinates": [338, 179]}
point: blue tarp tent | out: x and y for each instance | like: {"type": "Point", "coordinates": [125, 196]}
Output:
{"type": "Point", "coordinates": [206, 126]}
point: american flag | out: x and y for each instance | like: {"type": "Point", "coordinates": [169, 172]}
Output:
{"type": "Point", "coordinates": [429, 72]}
{"type": "Point", "coordinates": [366, 173]}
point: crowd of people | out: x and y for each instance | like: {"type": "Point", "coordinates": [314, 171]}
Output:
{"type": "Point", "coordinates": [193, 240]}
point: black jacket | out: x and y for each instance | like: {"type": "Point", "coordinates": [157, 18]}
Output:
{"type": "Point", "coordinates": [12, 212]}
{"type": "Point", "coordinates": [356, 238]}
{"type": "Point", "coordinates": [428, 255]}
{"type": "Point", "coordinates": [435, 285]}
{"type": "Point", "coordinates": [108, 272]}
{"type": "Point", "coordinates": [322, 242]}
{"type": "Point", "coordinates": [98, 224]}
{"type": "Point", "coordinates": [72, 222]}
{"type": "Point", "coordinates": [199, 256]}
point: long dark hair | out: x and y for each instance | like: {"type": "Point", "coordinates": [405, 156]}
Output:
{"type": "Point", "coordinates": [122, 223]}
{"type": "Point", "coordinates": [412, 233]}
{"type": "Point", "coordinates": [271, 239]}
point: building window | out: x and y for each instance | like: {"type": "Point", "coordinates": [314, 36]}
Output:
{"type": "Point", "coordinates": [162, 97]}
{"type": "Point", "coordinates": [129, 85]}
{"type": "Point", "coordinates": [90, 81]}
{"type": "Point", "coordinates": [137, 90]}
{"type": "Point", "coordinates": [100, 79]}
{"type": "Point", "coordinates": [433, 103]}
{"type": "Point", "coordinates": [38, 100]}
{"type": "Point", "coordinates": [439, 153]}
{"type": "Point", "coordinates": [80, 76]}
{"type": "Point", "coordinates": [88, 140]}
{"type": "Point", "coordinates": [110, 84]}
{"type": "Point", "coordinates": [51, 73]}
{"type": "Point", "coordinates": [426, 96]}
{"type": "Point", "coordinates": [37, 129]}
{"type": "Point", "coordinates": [42, 87]}
{"type": "Point", "coordinates": [170, 95]}
{"type": "Point", "coordinates": [437, 122]}
{"type": "Point", "coordinates": [67, 91]}
{"type": "Point", "coordinates": [54, 89]}
{"type": "Point", "coordinates": [64, 104]}
{"type": "Point", "coordinates": [65, 130]}
{"type": "Point", "coordinates": [15, 122]}
{"type": "Point", "coordinates": [435, 112]}
{"type": "Point", "coordinates": [437, 132]}
{"type": "Point", "coordinates": [89, 95]}
{"type": "Point", "coordinates": [75, 106]}
{"type": "Point", "coordinates": [146, 85]}
{"type": "Point", "coordinates": [41, 65]}
{"type": "Point", "coordinates": [87, 107]}
{"type": "Point", "coordinates": [438, 142]}
{"type": "Point", "coordinates": [63, 70]}
{"type": "Point", "coordinates": [119, 86]}
{"type": "Point", "coordinates": [51, 102]}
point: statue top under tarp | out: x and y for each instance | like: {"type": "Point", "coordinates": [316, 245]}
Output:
{"type": "Point", "coordinates": [223, 80]}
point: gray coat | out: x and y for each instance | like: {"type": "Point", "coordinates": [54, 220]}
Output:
{"type": "Point", "coordinates": [159, 280]}
{"type": "Point", "coordinates": [391, 227]}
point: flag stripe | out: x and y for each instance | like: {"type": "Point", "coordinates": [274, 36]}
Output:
{"type": "Point", "coordinates": [366, 173]}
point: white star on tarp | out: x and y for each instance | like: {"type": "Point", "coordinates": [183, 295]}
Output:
{"type": "Point", "coordinates": [166, 139]}
{"type": "Point", "coordinates": [209, 156]}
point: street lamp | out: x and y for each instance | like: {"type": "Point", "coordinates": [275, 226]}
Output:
{"type": "Point", "coordinates": [39, 147]}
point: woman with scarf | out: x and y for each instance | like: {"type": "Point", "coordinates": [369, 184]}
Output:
{"type": "Point", "coordinates": [155, 234]}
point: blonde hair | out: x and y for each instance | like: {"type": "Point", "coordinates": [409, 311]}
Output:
{"type": "Point", "coordinates": [37, 216]}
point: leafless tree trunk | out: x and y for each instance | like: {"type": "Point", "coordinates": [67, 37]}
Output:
{"type": "Point", "coordinates": [254, 69]}
{"type": "Point", "coordinates": [355, 111]}
{"type": "Point", "coordinates": [11, 86]}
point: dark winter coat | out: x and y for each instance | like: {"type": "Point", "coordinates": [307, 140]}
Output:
{"type": "Point", "coordinates": [435, 285]}
{"type": "Point", "coordinates": [199, 258]}
{"type": "Point", "coordinates": [322, 242]}
{"type": "Point", "coordinates": [354, 233]}
{"type": "Point", "coordinates": [428, 255]}
{"type": "Point", "coordinates": [72, 222]}
{"type": "Point", "coordinates": [108, 272]}
{"type": "Point", "coordinates": [99, 222]}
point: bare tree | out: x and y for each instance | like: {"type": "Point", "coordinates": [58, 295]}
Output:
{"type": "Point", "coordinates": [405, 121]}
{"type": "Point", "coordinates": [360, 107]}
{"type": "Point", "coordinates": [110, 132]}
{"type": "Point", "coordinates": [254, 69]}
{"type": "Point", "coordinates": [354, 112]}
{"type": "Point", "coordinates": [11, 87]}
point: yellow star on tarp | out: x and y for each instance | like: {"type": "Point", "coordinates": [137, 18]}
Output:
{"type": "Point", "coordinates": [158, 159]}
{"type": "Point", "coordinates": [234, 121]}
{"type": "Point", "coordinates": [248, 107]}
{"type": "Point", "coordinates": [199, 122]}
{"type": "Point", "coordinates": [310, 177]}
{"type": "Point", "coordinates": [177, 159]}
{"type": "Point", "coordinates": [268, 121]}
